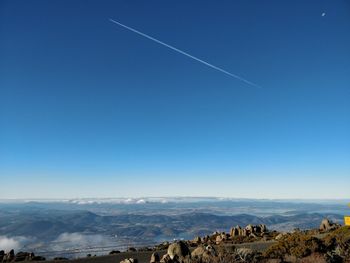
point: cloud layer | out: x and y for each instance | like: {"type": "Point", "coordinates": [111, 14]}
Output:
{"type": "Point", "coordinates": [16, 243]}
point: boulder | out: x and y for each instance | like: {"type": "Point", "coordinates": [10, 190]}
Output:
{"type": "Point", "coordinates": [243, 232]}
{"type": "Point", "coordinates": [234, 231]}
{"type": "Point", "coordinates": [179, 249]}
{"type": "Point", "coordinates": [155, 258]}
{"type": "Point", "coordinates": [198, 252]}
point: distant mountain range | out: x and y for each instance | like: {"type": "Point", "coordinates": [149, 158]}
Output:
{"type": "Point", "coordinates": [47, 226]}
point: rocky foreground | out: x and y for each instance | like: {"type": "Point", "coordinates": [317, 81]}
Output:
{"type": "Point", "coordinates": [253, 243]}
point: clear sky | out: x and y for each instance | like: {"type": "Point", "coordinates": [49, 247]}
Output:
{"type": "Point", "coordinates": [90, 109]}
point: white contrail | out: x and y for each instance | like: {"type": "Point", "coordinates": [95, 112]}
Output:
{"type": "Point", "coordinates": [184, 53]}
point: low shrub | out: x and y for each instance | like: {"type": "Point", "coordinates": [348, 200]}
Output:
{"type": "Point", "coordinates": [297, 244]}
{"type": "Point", "coordinates": [339, 241]}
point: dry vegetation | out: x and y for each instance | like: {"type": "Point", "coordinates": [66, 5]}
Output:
{"type": "Point", "coordinates": [334, 247]}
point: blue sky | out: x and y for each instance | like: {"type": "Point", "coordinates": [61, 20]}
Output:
{"type": "Point", "coordinates": [89, 109]}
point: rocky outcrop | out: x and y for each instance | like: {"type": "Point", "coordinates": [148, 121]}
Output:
{"type": "Point", "coordinates": [20, 256]}
{"type": "Point", "coordinates": [249, 230]}
{"type": "Point", "coordinates": [8, 257]}
{"type": "Point", "coordinates": [327, 225]}
{"type": "Point", "coordinates": [237, 234]}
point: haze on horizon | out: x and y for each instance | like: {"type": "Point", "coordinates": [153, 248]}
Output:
{"type": "Point", "coordinates": [89, 109]}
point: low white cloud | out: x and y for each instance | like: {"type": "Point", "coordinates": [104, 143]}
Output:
{"type": "Point", "coordinates": [16, 243]}
{"type": "Point", "coordinates": [78, 240]}
{"type": "Point", "coordinates": [141, 201]}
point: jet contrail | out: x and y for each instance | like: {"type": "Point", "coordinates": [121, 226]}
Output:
{"type": "Point", "coordinates": [184, 53]}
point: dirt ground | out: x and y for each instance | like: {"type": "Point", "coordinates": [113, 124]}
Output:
{"type": "Point", "coordinates": [144, 257]}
